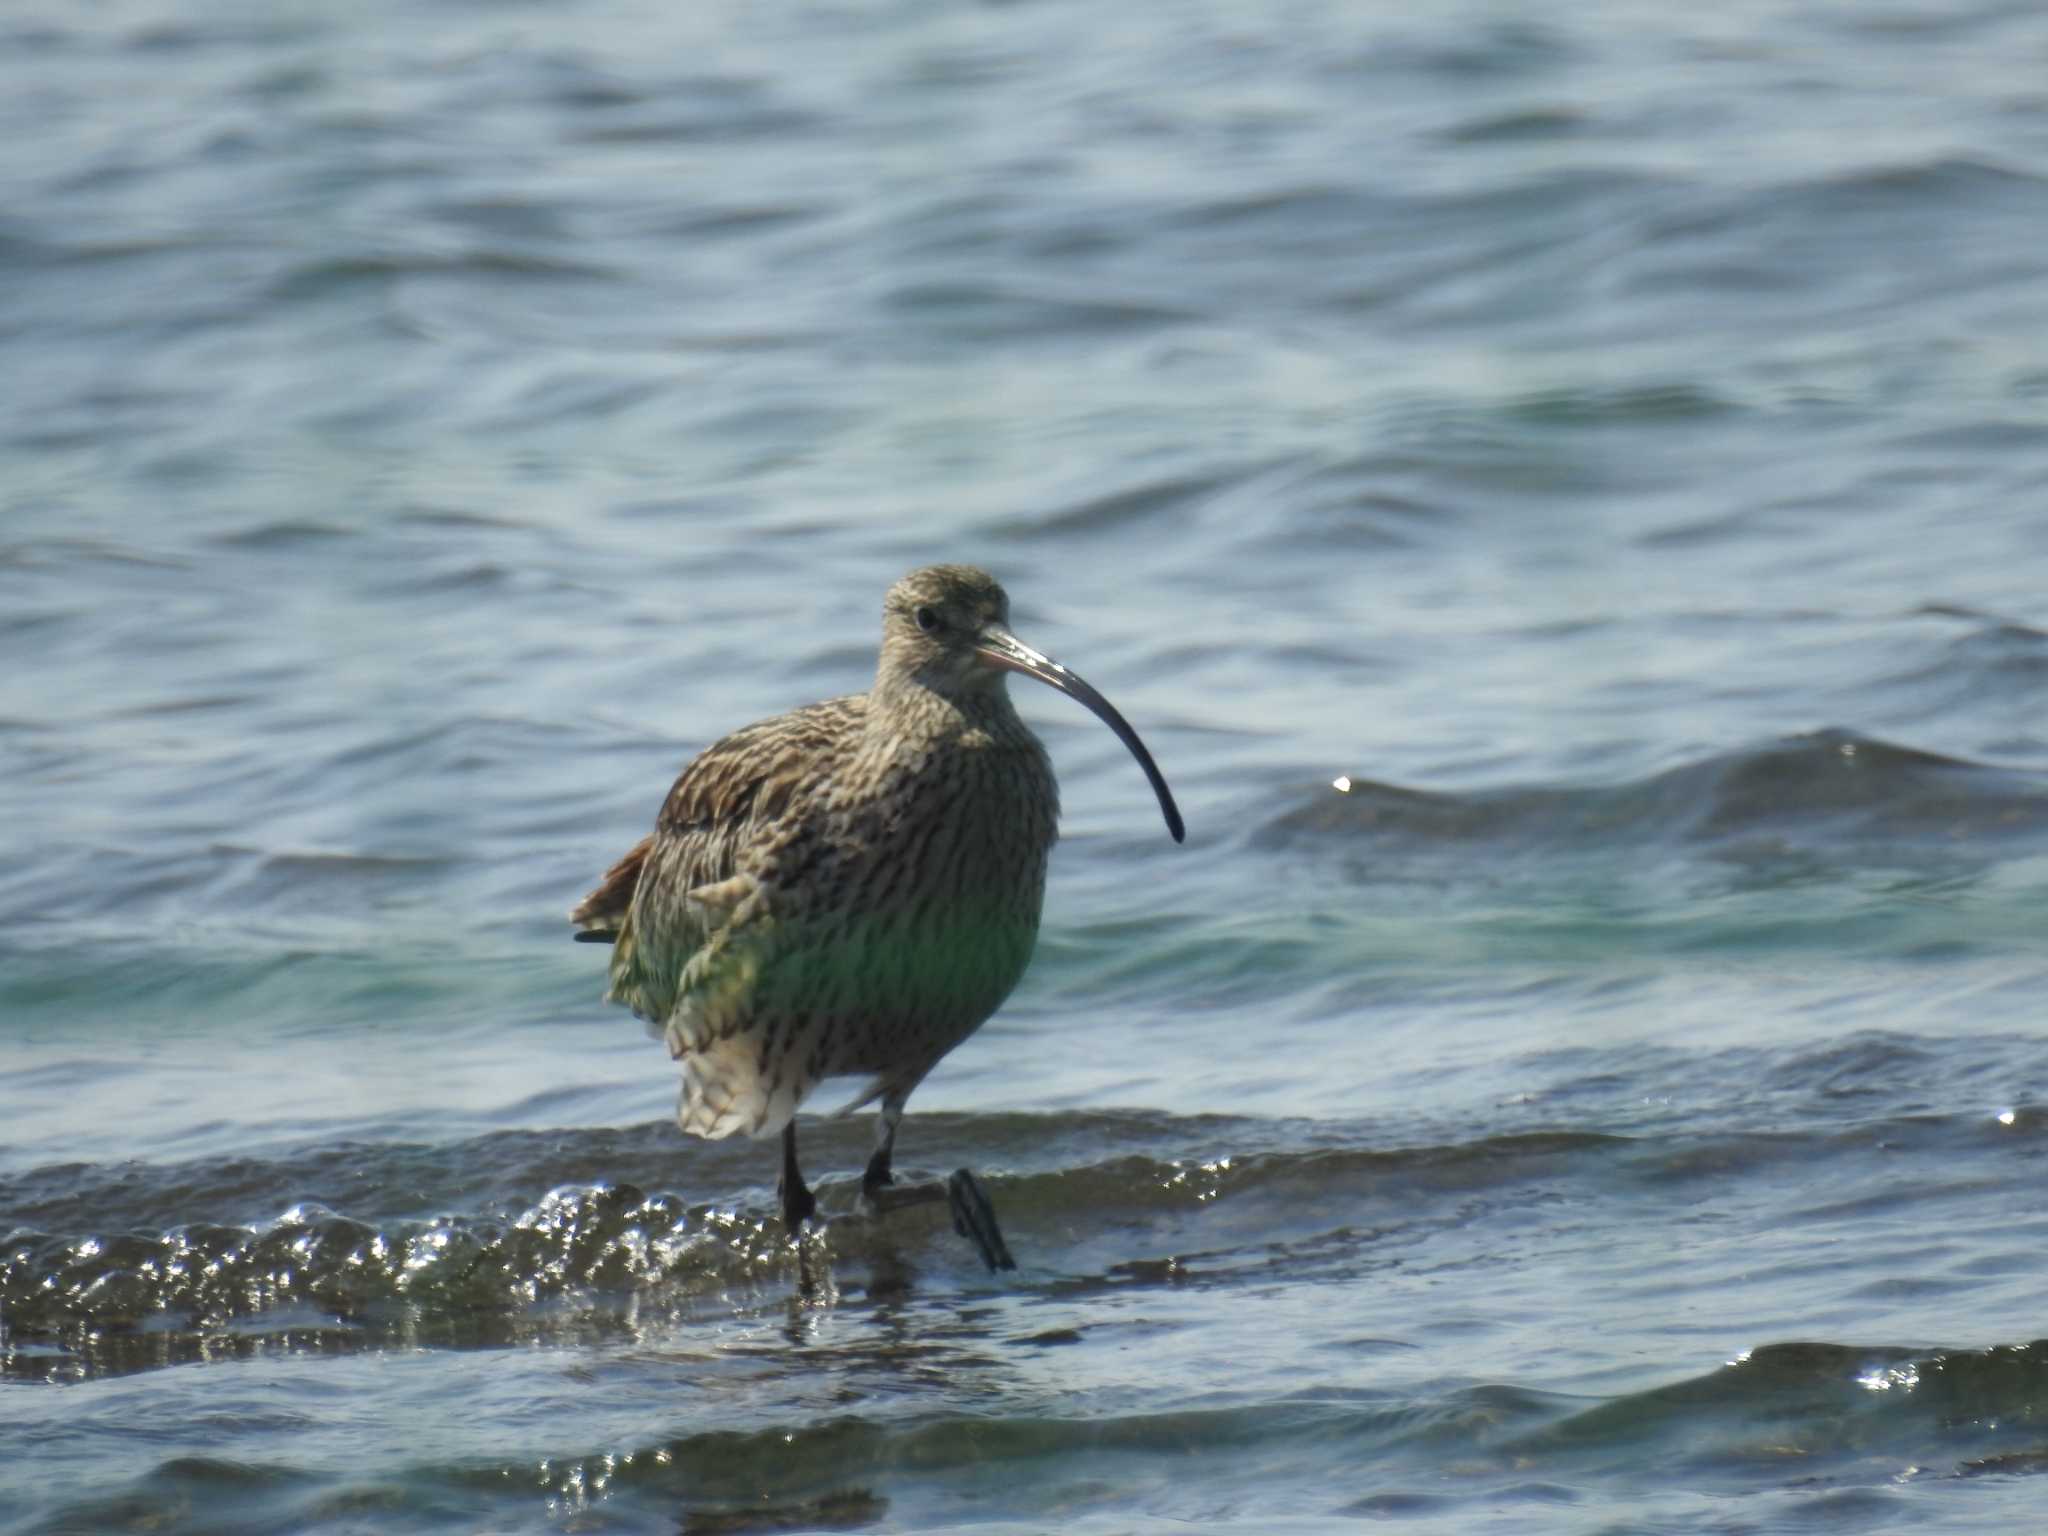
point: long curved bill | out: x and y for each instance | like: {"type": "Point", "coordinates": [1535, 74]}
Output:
{"type": "Point", "coordinates": [1000, 648]}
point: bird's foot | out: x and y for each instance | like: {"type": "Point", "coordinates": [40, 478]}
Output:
{"type": "Point", "coordinates": [975, 1219]}
{"type": "Point", "coordinates": [879, 1197]}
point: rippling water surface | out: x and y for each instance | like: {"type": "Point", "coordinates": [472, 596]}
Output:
{"type": "Point", "coordinates": [1560, 489]}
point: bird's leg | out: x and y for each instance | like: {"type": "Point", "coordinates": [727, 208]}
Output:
{"type": "Point", "coordinates": [798, 1203]}
{"type": "Point", "coordinates": [878, 1173]}
{"type": "Point", "coordinates": [973, 1217]}
{"type": "Point", "coordinates": [879, 1191]}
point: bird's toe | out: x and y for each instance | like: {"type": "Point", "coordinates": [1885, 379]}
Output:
{"type": "Point", "coordinates": [975, 1219]}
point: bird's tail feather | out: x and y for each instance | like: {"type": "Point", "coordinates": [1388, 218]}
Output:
{"type": "Point", "coordinates": [599, 916]}
{"type": "Point", "coordinates": [724, 1093]}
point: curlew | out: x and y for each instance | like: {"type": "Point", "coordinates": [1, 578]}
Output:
{"type": "Point", "coordinates": [852, 888]}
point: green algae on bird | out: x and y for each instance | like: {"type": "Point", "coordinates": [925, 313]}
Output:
{"type": "Point", "coordinates": [851, 888]}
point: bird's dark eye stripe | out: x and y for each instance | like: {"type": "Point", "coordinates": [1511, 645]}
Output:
{"type": "Point", "coordinates": [927, 619]}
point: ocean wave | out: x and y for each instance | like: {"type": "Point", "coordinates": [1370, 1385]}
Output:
{"type": "Point", "coordinates": [1829, 786]}
{"type": "Point", "coordinates": [1806, 1399]}
{"type": "Point", "coordinates": [1807, 1428]}
{"type": "Point", "coordinates": [1125, 1199]}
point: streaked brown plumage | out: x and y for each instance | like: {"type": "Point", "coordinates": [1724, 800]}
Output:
{"type": "Point", "coordinates": [850, 888]}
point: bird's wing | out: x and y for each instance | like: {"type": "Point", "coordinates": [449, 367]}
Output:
{"type": "Point", "coordinates": [676, 905]}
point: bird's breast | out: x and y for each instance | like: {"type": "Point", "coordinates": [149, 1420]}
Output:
{"type": "Point", "coordinates": [966, 825]}
{"type": "Point", "coordinates": [919, 890]}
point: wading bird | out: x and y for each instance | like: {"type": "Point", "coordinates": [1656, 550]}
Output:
{"type": "Point", "coordinates": [853, 887]}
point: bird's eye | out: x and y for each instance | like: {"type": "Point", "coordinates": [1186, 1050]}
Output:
{"type": "Point", "coordinates": [927, 619]}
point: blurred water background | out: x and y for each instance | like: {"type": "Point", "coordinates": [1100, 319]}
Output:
{"type": "Point", "coordinates": [1562, 489]}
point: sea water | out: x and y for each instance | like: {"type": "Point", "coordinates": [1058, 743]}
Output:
{"type": "Point", "coordinates": [1563, 492]}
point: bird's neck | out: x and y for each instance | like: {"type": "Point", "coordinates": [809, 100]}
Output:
{"type": "Point", "coordinates": [903, 708]}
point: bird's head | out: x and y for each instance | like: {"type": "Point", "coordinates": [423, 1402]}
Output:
{"type": "Point", "coordinates": [936, 623]}
{"type": "Point", "coordinates": [947, 628]}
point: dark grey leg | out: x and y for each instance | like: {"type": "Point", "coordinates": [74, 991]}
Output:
{"type": "Point", "coordinates": [798, 1204]}
{"type": "Point", "coordinates": [878, 1173]}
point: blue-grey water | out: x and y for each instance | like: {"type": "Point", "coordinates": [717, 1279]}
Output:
{"type": "Point", "coordinates": [1563, 491]}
